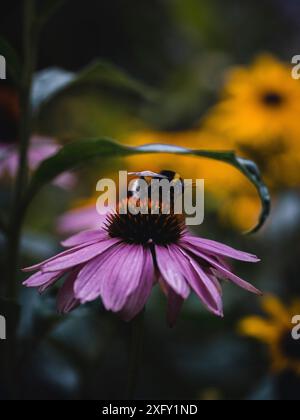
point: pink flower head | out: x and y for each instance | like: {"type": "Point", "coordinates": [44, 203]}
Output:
{"type": "Point", "coordinates": [124, 259]}
{"type": "Point", "coordinates": [40, 149]}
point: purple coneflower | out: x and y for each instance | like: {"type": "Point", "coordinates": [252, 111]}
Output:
{"type": "Point", "coordinates": [122, 261]}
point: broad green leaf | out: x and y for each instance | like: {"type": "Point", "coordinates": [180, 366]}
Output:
{"type": "Point", "coordinates": [57, 82]}
{"type": "Point", "coordinates": [13, 62]}
{"type": "Point", "coordinates": [82, 152]}
{"type": "Point", "coordinates": [107, 74]}
{"type": "Point", "coordinates": [48, 82]}
{"type": "Point", "coordinates": [100, 100]}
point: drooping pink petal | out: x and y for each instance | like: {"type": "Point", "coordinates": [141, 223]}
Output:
{"type": "Point", "coordinates": [40, 265]}
{"type": "Point", "coordinates": [43, 279]}
{"type": "Point", "coordinates": [122, 276]}
{"type": "Point", "coordinates": [89, 280]}
{"type": "Point", "coordinates": [138, 299]}
{"type": "Point", "coordinates": [216, 248]}
{"type": "Point", "coordinates": [78, 257]}
{"type": "Point", "coordinates": [42, 289]}
{"type": "Point", "coordinates": [66, 300]}
{"type": "Point", "coordinates": [222, 271]}
{"type": "Point", "coordinates": [171, 270]}
{"type": "Point", "coordinates": [201, 282]}
{"type": "Point", "coordinates": [215, 280]}
{"type": "Point", "coordinates": [175, 303]}
{"type": "Point", "coordinates": [89, 236]}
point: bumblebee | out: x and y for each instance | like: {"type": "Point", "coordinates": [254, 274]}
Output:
{"type": "Point", "coordinates": [172, 176]}
{"type": "Point", "coordinates": [149, 176]}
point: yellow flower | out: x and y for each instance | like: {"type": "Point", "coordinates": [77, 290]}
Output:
{"type": "Point", "coordinates": [276, 332]}
{"type": "Point", "coordinates": [258, 117]}
{"type": "Point", "coordinates": [260, 104]}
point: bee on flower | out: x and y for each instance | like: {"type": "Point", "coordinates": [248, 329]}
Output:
{"type": "Point", "coordinates": [124, 258]}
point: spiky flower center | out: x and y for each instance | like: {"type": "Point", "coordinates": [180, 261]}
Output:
{"type": "Point", "coordinates": [160, 229]}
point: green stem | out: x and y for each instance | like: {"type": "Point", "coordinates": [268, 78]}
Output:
{"type": "Point", "coordinates": [136, 347]}
{"type": "Point", "coordinates": [17, 214]}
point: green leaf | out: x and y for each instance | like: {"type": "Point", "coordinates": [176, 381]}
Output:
{"type": "Point", "coordinates": [102, 99]}
{"type": "Point", "coordinates": [100, 74]}
{"type": "Point", "coordinates": [13, 61]}
{"type": "Point", "coordinates": [81, 152]}
{"type": "Point", "coordinates": [109, 75]}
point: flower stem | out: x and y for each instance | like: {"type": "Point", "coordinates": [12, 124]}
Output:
{"type": "Point", "coordinates": [17, 213]}
{"type": "Point", "coordinates": [136, 347]}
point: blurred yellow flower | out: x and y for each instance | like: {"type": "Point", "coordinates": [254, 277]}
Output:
{"type": "Point", "coordinates": [260, 105]}
{"type": "Point", "coordinates": [258, 117]}
{"type": "Point", "coordinates": [276, 332]}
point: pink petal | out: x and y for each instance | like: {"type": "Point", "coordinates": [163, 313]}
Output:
{"type": "Point", "coordinates": [216, 281]}
{"type": "Point", "coordinates": [221, 270]}
{"type": "Point", "coordinates": [89, 280]}
{"type": "Point", "coordinates": [41, 149]}
{"type": "Point", "coordinates": [216, 248]}
{"type": "Point", "coordinates": [79, 256]}
{"type": "Point", "coordinates": [122, 275]}
{"type": "Point", "coordinates": [40, 265]}
{"type": "Point", "coordinates": [79, 220]}
{"type": "Point", "coordinates": [202, 283]}
{"type": "Point", "coordinates": [90, 236]}
{"type": "Point", "coordinates": [175, 303]}
{"type": "Point", "coordinates": [171, 270]}
{"type": "Point", "coordinates": [66, 181]}
{"type": "Point", "coordinates": [66, 300]}
{"type": "Point", "coordinates": [43, 279]}
{"type": "Point", "coordinates": [12, 163]}
{"type": "Point", "coordinates": [138, 299]}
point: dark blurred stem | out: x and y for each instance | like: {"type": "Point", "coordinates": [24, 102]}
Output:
{"type": "Point", "coordinates": [135, 355]}
{"type": "Point", "coordinates": [3, 226]}
{"type": "Point", "coordinates": [17, 213]}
